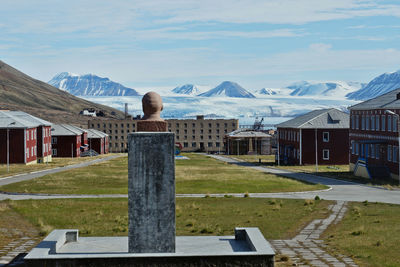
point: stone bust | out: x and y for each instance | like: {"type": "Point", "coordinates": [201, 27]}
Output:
{"type": "Point", "coordinates": [152, 106]}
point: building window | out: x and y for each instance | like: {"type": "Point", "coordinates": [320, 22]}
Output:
{"type": "Point", "coordinates": [98, 125]}
{"type": "Point", "coordinates": [127, 125]}
{"type": "Point", "coordinates": [325, 136]}
{"type": "Point", "coordinates": [389, 153]}
{"type": "Point", "coordinates": [185, 137]}
{"type": "Point", "coordinates": [54, 151]}
{"type": "Point", "coordinates": [356, 148]}
{"type": "Point", "coordinates": [54, 140]}
{"type": "Point", "coordinates": [218, 137]}
{"type": "Point", "coordinates": [194, 144]}
{"type": "Point", "coordinates": [201, 131]}
{"type": "Point", "coordinates": [233, 125]}
{"type": "Point", "coordinates": [353, 147]}
{"type": "Point", "coordinates": [185, 131]}
{"type": "Point", "coordinates": [177, 125]}
{"type": "Point", "coordinates": [209, 131]}
{"type": "Point", "coordinates": [395, 153]}
{"type": "Point", "coordinates": [193, 125]}
{"type": "Point", "coordinates": [394, 123]}
{"type": "Point", "coordinates": [226, 125]}
{"type": "Point", "coordinates": [185, 144]}
{"type": "Point", "coordinates": [217, 144]}
{"type": "Point", "coordinates": [177, 131]}
{"type": "Point", "coordinates": [185, 125]}
{"type": "Point", "coordinates": [209, 137]}
{"type": "Point", "coordinates": [377, 122]}
{"type": "Point", "coordinates": [357, 122]}
{"type": "Point", "coordinates": [217, 124]}
{"type": "Point", "coordinates": [209, 125]}
{"type": "Point", "coordinates": [193, 131]}
{"type": "Point", "coordinates": [389, 123]}
{"type": "Point", "coordinates": [210, 144]}
{"type": "Point", "coordinates": [373, 123]}
{"type": "Point", "coordinates": [367, 120]}
{"type": "Point", "coordinates": [193, 137]}
{"type": "Point", "coordinates": [122, 145]}
{"type": "Point", "coordinates": [325, 154]}
{"type": "Point", "coordinates": [372, 149]}
{"type": "Point", "coordinates": [362, 122]}
{"type": "Point", "coordinates": [177, 137]}
{"type": "Point", "coordinates": [116, 131]}
{"type": "Point", "coordinates": [122, 125]}
{"type": "Point", "coordinates": [377, 151]}
{"type": "Point", "coordinates": [217, 131]}
{"type": "Point", "coordinates": [383, 123]}
{"type": "Point", "coordinates": [201, 137]}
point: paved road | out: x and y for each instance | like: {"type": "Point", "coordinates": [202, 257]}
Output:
{"type": "Point", "coordinates": [339, 190]}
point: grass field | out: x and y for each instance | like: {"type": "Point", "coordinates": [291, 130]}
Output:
{"type": "Point", "coordinates": [370, 233]}
{"type": "Point", "coordinates": [56, 162]}
{"type": "Point", "coordinates": [333, 171]}
{"type": "Point", "coordinates": [195, 216]}
{"type": "Point", "coordinates": [199, 174]}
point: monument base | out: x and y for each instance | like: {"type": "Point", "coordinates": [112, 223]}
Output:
{"type": "Point", "coordinates": [63, 248]}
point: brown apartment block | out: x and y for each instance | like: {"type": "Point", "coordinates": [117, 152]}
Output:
{"type": "Point", "coordinates": [320, 136]}
{"type": "Point", "coordinates": [198, 134]}
{"type": "Point", "coordinates": [374, 133]}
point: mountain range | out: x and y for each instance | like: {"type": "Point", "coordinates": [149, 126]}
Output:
{"type": "Point", "coordinates": [90, 85]}
{"type": "Point", "coordinates": [380, 85]}
{"type": "Point", "coordinates": [228, 89]}
{"type": "Point", "coordinates": [19, 91]}
{"type": "Point", "coordinates": [331, 89]}
{"type": "Point", "coordinates": [186, 89]}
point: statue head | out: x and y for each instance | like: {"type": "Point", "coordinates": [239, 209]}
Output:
{"type": "Point", "coordinates": [152, 106]}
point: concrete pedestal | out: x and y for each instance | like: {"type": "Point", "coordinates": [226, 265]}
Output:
{"type": "Point", "coordinates": [64, 248]}
{"type": "Point", "coordinates": [151, 192]}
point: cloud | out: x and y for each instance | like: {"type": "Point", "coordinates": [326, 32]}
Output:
{"type": "Point", "coordinates": [103, 16]}
{"type": "Point", "coordinates": [174, 33]}
{"type": "Point", "coordinates": [320, 47]}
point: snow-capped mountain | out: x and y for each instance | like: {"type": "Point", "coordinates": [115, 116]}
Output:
{"type": "Point", "coordinates": [228, 89]}
{"type": "Point", "coordinates": [187, 89]}
{"type": "Point", "coordinates": [266, 91]}
{"type": "Point", "coordinates": [90, 85]}
{"type": "Point", "coordinates": [337, 89]}
{"type": "Point", "coordinates": [380, 85]}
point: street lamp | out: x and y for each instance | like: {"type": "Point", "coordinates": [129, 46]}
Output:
{"type": "Point", "coordinates": [8, 146]}
{"type": "Point", "coordinates": [398, 130]}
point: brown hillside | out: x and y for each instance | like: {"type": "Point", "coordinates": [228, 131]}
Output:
{"type": "Point", "coordinates": [18, 91]}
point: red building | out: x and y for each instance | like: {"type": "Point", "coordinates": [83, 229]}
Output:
{"type": "Point", "coordinates": [28, 138]}
{"type": "Point", "coordinates": [68, 140]}
{"type": "Point", "coordinates": [98, 141]}
{"type": "Point", "coordinates": [320, 135]}
{"type": "Point", "coordinates": [374, 137]}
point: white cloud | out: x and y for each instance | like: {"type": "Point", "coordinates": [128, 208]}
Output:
{"type": "Point", "coordinates": [174, 33]}
{"type": "Point", "coordinates": [320, 47]}
{"type": "Point", "coordinates": [103, 16]}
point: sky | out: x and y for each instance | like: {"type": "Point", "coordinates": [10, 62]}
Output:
{"type": "Point", "coordinates": [151, 43]}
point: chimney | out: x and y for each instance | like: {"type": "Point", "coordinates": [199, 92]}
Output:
{"type": "Point", "coordinates": [126, 110]}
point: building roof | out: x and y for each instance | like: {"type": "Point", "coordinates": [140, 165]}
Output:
{"type": "Point", "coordinates": [93, 133]}
{"type": "Point", "coordinates": [248, 133]}
{"type": "Point", "coordinates": [19, 119]}
{"type": "Point", "coordinates": [390, 100]}
{"type": "Point", "coordinates": [65, 130]}
{"type": "Point", "coordinates": [320, 119]}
